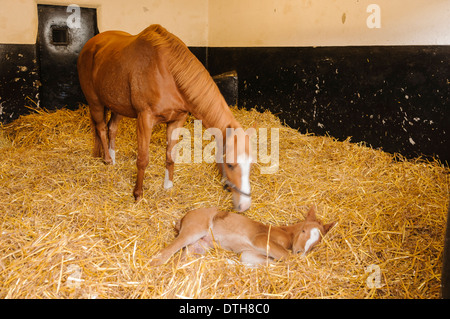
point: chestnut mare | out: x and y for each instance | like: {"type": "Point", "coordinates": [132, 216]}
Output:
{"type": "Point", "coordinates": [153, 77]}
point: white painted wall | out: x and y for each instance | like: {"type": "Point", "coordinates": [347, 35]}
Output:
{"type": "Point", "coordinates": [185, 18]}
{"type": "Point", "coordinates": [253, 22]}
{"type": "Point", "coordinates": [327, 22]}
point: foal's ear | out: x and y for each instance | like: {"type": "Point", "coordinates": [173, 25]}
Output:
{"type": "Point", "coordinates": [311, 215]}
{"type": "Point", "coordinates": [327, 227]}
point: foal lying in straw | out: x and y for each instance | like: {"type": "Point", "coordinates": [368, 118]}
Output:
{"type": "Point", "coordinates": [257, 243]}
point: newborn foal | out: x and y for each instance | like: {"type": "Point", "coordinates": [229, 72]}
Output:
{"type": "Point", "coordinates": [257, 243]}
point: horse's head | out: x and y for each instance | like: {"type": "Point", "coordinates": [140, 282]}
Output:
{"type": "Point", "coordinates": [310, 233]}
{"type": "Point", "coordinates": [236, 168]}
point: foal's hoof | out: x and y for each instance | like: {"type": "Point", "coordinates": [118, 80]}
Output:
{"type": "Point", "coordinates": [156, 260]}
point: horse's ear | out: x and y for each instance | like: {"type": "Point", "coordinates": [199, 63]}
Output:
{"type": "Point", "coordinates": [327, 227]}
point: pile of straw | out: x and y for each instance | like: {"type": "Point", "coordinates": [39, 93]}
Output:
{"type": "Point", "coordinates": [70, 227]}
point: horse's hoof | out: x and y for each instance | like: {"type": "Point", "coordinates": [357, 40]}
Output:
{"type": "Point", "coordinates": [168, 185]}
{"type": "Point", "coordinates": [137, 197]}
{"type": "Point", "coordinates": [112, 154]}
{"type": "Point", "coordinates": [108, 160]}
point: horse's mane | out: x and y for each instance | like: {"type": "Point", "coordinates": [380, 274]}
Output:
{"type": "Point", "coordinates": [191, 77]}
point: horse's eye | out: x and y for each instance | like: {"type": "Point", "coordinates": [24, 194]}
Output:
{"type": "Point", "coordinates": [230, 166]}
{"type": "Point", "coordinates": [303, 231]}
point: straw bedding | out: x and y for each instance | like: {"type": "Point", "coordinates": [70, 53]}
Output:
{"type": "Point", "coordinates": [70, 227]}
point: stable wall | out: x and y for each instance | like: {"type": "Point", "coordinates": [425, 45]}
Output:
{"type": "Point", "coordinates": [187, 19]}
{"type": "Point", "coordinates": [21, 76]}
{"type": "Point", "coordinates": [378, 74]}
{"type": "Point", "coordinates": [337, 67]}
{"type": "Point", "coordinates": [312, 23]}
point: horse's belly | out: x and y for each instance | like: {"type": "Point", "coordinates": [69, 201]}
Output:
{"type": "Point", "coordinates": [127, 90]}
{"type": "Point", "coordinates": [122, 109]}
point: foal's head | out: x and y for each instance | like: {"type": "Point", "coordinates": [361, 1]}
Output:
{"type": "Point", "coordinates": [237, 163]}
{"type": "Point", "coordinates": [310, 233]}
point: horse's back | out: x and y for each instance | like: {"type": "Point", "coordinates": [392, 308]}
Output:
{"type": "Point", "coordinates": [100, 47]}
{"type": "Point", "coordinates": [114, 43]}
{"type": "Point", "coordinates": [106, 66]}
{"type": "Point", "coordinates": [131, 73]}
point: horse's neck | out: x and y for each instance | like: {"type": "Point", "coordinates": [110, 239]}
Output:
{"type": "Point", "coordinates": [217, 115]}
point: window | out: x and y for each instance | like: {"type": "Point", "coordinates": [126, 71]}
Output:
{"type": "Point", "coordinates": [60, 35]}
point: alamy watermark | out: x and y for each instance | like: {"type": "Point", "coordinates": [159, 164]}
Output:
{"type": "Point", "coordinates": [183, 152]}
{"type": "Point", "coordinates": [74, 19]}
{"type": "Point", "coordinates": [374, 19]}
{"type": "Point", "coordinates": [374, 278]}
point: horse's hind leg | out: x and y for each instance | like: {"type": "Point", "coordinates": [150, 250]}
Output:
{"type": "Point", "coordinates": [113, 126]}
{"type": "Point", "coordinates": [100, 131]}
{"type": "Point", "coordinates": [97, 148]}
{"type": "Point", "coordinates": [145, 122]}
{"type": "Point", "coordinates": [171, 127]}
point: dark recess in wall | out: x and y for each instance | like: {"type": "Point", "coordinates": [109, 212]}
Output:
{"type": "Point", "coordinates": [58, 46]}
{"type": "Point", "coordinates": [391, 97]}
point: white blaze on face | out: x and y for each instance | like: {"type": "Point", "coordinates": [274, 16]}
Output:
{"type": "Point", "coordinates": [314, 236]}
{"type": "Point", "coordinates": [244, 162]}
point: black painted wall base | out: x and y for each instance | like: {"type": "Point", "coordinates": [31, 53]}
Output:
{"type": "Point", "coordinates": [19, 79]}
{"type": "Point", "coordinates": [395, 98]}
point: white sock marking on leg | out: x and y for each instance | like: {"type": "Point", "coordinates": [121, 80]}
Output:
{"type": "Point", "coordinates": [167, 183]}
{"type": "Point", "coordinates": [244, 162]}
{"type": "Point", "coordinates": [112, 153]}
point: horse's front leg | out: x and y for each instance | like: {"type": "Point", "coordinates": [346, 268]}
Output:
{"type": "Point", "coordinates": [172, 139]}
{"type": "Point", "coordinates": [145, 122]}
{"type": "Point", "coordinates": [113, 126]}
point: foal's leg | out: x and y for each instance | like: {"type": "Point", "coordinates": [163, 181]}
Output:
{"type": "Point", "coordinates": [253, 257]}
{"type": "Point", "coordinates": [271, 248]}
{"type": "Point", "coordinates": [171, 126]}
{"type": "Point", "coordinates": [200, 247]}
{"type": "Point", "coordinates": [100, 134]}
{"type": "Point", "coordinates": [193, 227]}
{"type": "Point", "coordinates": [145, 122]}
{"type": "Point", "coordinates": [185, 238]}
{"type": "Point", "coordinates": [113, 126]}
